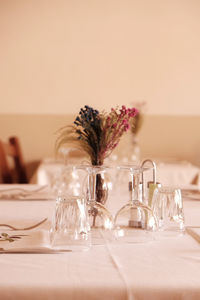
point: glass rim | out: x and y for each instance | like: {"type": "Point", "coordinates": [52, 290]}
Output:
{"type": "Point", "coordinates": [70, 198]}
{"type": "Point", "coordinates": [168, 189]}
{"type": "Point", "coordinates": [133, 168]}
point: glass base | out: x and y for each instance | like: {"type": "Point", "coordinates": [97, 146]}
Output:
{"type": "Point", "coordinates": [133, 235]}
{"type": "Point", "coordinates": [71, 248]}
{"type": "Point", "coordinates": [170, 232]}
{"type": "Point", "coordinates": [67, 242]}
{"type": "Point", "coordinates": [99, 236]}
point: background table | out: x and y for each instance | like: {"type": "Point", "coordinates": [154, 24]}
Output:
{"type": "Point", "coordinates": [168, 173]}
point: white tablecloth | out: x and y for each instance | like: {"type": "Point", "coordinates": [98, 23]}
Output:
{"type": "Point", "coordinates": [167, 268]}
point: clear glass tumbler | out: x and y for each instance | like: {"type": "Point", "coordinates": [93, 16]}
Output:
{"type": "Point", "coordinates": [168, 207]}
{"type": "Point", "coordinates": [70, 229]}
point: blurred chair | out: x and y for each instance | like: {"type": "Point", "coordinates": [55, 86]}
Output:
{"type": "Point", "coordinates": [12, 150]}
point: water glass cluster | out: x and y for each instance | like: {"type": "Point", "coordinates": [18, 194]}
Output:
{"type": "Point", "coordinates": [86, 216]}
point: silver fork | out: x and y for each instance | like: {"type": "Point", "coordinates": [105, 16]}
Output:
{"type": "Point", "coordinates": [25, 228]}
{"type": "Point", "coordinates": [13, 193]}
{"type": "Point", "coordinates": [24, 191]}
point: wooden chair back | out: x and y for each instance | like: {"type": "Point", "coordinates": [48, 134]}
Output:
{"type": "Point", "coordinates": [12, 149]}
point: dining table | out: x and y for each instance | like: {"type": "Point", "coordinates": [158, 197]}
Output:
{"type": "Point", "coordinates": [166, 267]}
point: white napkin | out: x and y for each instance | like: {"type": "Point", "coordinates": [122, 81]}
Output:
{"type": "Point", "coordinates": [25, 242]}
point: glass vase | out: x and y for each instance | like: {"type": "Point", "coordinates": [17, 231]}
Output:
{"type": "Point", "coordinates": [97, 190]}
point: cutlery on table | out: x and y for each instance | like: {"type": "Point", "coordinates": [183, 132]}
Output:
{"type": "Point", "coordinates": [25, 228]}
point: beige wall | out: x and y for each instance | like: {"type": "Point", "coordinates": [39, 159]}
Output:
{"type": "Point", "coordinates": [56, 56]}
{"type": "Point", "coordinates": [160, 137]}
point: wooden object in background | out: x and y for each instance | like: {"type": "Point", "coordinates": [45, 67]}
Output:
{"type": "Point", "coordinates": [12, 149]}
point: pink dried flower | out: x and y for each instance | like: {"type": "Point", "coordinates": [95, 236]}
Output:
{"type": "Point", "coordinates": [127, 127]}
{"type": "Point", "coordinates": [118, 124]}
{"type": "Point", "coordinates": [124, 122]}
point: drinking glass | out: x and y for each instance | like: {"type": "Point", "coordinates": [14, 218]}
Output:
{"type": "Point", "coordinates": [168, 207]}
{"type": "Point", "coordinates": [67, 181]}
{"type": "Point", "coordinates": [135, 221]}
{"type": "Point", "coordinates": [96, 191]}
{"type": "Point", "coordinates": [70, 226]}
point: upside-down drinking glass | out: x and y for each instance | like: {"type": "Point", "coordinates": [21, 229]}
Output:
{"type": "Point", "coordinates": [135, 222]}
